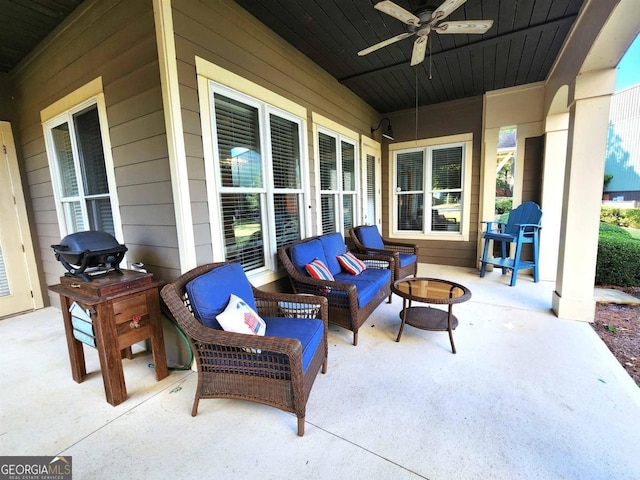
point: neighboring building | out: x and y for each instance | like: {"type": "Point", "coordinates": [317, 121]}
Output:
{"type": "Point", "coordinates": [622, 158]}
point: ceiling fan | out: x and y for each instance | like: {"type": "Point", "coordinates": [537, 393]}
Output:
{"type": "Point", "coordinates": [424, 21]}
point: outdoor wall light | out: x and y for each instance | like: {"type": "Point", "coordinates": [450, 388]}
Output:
{"type": "Point", "coordinates": [388, 133]}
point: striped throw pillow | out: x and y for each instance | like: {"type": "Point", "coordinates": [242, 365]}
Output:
{"type": "Point", "coordinates": [317, 269]}
{"type": "Point", "coordinates": [351, 263]}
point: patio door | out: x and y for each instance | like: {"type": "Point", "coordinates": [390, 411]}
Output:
{"type": "Point", "coordinates": [15, 283]}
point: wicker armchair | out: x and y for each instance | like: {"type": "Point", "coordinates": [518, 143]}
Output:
{"type": "Point", "coordinates": [263, 369]}
{"type": "Point", "coordinates": [345, 307]}
{"type": "Point", "coordinates": [367, 239]}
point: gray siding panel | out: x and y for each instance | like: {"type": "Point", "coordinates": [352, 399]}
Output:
{"type": "Point", "coordinates": [114, 39]}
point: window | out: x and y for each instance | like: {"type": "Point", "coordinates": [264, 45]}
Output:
{"type": "Point", "coordinates": [76, 154]}
{"type": "Point", "coordinates": [338, 173]}
{"type": "Point", "coordinates": [429, 189]}
{"type": "Point", "coordinates": [257, 156]}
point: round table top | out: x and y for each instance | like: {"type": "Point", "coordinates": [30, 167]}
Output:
{"type": "Point", "coordinates": [431, 290]}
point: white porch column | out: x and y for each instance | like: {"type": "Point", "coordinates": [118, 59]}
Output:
{"type": "Point", "coordinates": [555, 159]}
{"type": "Point", "coordinates": [588, 120]}
{"type": "Point", "coordinates": [487, 185]}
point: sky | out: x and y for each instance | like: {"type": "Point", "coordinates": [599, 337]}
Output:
{"type": "Point", "coordinates": [629, 67]}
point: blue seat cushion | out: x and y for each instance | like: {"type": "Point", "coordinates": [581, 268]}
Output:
{"type": "Point", "coordinates": [370, 236]}
{"type": "Point", "coordinates": [209, 293]}
{"type": "Point", "coordinates": [306, 252]}
{"type": "Point", "coordinates": [503, 237]}
{"type": "Point", "coordinates": [333, 245]}
{"type": "Point", "coordinates": [368, 283]}
{"type": "Point", "coordinates": [406, 259]}
{"type": "Point", "coordinates": [308, 330]}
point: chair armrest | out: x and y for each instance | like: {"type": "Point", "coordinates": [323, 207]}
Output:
{"type": "Point", "coordinates": [490, 226]}
{"type": "Point", "coordinates": [199, 333]}
{"type": "Point", "coordinates": [401, 247]}
{"type": "Point", "coordinates": [269, 303]}
{"type": "Point", "coordinates": [384, 261]}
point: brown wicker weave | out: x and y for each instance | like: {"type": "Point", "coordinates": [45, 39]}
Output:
{"type": "Point", "coordinates": [343, 308]}
{"type": "Point", "coordinates": [229, 365]}
{"type": "Point", "coordinates": [390, 248]}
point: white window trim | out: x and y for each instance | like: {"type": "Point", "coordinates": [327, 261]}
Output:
{"type": "Point", "coordinates": [327, 126]}
{"type": "Point", "coordinates": [235, 86]}
{"type": "Point", "coordinates": [85, 96]}
{"type": "Point", "coordinates": [465, 225]}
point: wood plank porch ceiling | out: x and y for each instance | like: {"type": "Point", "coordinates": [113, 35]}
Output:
{"type": "Point", "coordinates": [520, 48]}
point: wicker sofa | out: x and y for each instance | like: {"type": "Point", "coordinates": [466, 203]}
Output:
{"type": "Point", "coordinates": [352, 298]}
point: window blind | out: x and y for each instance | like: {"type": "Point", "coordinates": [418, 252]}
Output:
{"type": "Point", "coordinates": [285, 153]}
{"type": "Point", "coordinates": [238, 143]}
{"type": "Point", "coordinates": [62, 145]}
{"type": "Point", "coordinates": [328, 162]}
{"type": "Point", "coordinates": [91, 152]}
{"type": "Point", "coordinates": [371, 190]}
{"type": "Point", "coordinates": [243, 229]}
{"type": "Point", "coordinates": [348, 158]}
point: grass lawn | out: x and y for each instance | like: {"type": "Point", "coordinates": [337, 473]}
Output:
{"type": "Point", "coordinates": [634, 232]}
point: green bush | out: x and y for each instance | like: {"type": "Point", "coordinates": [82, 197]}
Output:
{"type": "Point", "coordinates": [618, 257]}
{"type": "Point", "coordinates": [623, 217]}
{"type": "Point", "coordinates": [503, 205]}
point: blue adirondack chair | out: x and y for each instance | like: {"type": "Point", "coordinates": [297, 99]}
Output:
{"type": "Point", "coordinates": [521, 228]}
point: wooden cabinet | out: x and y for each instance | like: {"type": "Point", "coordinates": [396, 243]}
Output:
{"type": "Point", "coordinates": [111, 313]}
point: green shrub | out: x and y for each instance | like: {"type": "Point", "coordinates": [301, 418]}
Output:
{"type": "Point", "coordinates": [618, 257]}
{"type": "Point", "coordinates": [503, 205]}
{"type": "Point", "coordinates": [623, 217]}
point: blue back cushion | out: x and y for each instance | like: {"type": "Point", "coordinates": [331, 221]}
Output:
{"type": "Point", "coordinates": [370, 236]}
{"type": "Point", "coordinates": [307, 252]}
{"type": "Point", "coordinates": [333, 245]}
{"type": "Point", "coordinates": [209, 293]}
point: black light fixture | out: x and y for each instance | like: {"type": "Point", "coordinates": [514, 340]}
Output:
{"type": "Point", "coordinates": [388, 133]}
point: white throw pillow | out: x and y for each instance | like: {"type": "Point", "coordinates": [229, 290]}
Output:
{"type": "Point", "coordinates": [240, 318]}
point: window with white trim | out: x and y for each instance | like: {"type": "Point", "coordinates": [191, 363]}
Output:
{"type": "Point", "coordinates": [338, 181]}
{"type": "Point", "coordinates": [429, 189]}
{"type": "Point", "coordinates": [260, 184]}
{"type": "Point", "coordinates": [77, 158]}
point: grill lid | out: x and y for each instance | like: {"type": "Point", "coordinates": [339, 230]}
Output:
{"type": "Point", "coordinates": [89, 253]}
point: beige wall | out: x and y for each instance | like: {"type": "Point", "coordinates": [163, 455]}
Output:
{"type": "Point", "coordinates": [114, 40]}
{"type": "Point", "coordinates": [440, 120]}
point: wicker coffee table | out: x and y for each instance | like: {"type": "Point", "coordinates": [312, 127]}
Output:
{"type": "Point", "coordinates": [429, 290]}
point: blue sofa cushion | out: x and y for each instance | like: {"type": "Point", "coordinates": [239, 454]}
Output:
{"type": "Point", "coordinates": [370, 236]}
{"type": "Point", "coordinates": [407, 259]}
{"type": "Point", "coordinates": [209, 293]}
{"type": "Point", "coordinates": [368, 283]}
{"type": "Point", "coordinates": [308, 330]}
{"type": "Point", "coordinates": [333, 245]}
{"type": "Point", "coordinates": [306, 252]}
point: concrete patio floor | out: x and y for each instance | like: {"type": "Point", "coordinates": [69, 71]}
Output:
{"type": "Point", "coordinates": [527, 396]}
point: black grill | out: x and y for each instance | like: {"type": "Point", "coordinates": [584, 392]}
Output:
{"type": "Point", "coordinates": [85, 254]}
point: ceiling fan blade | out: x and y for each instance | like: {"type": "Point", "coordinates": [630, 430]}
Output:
{"type": "Point", "coordinates": [468, 26]}
{"type": "Point", "coordinates": [445, 9]}
{"type": "Point", "coordinates": [384, 43]}
{"type": "Point", "coordinates": [398, 12]}
{"type": "Point", "coordinates": [419, 49]}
